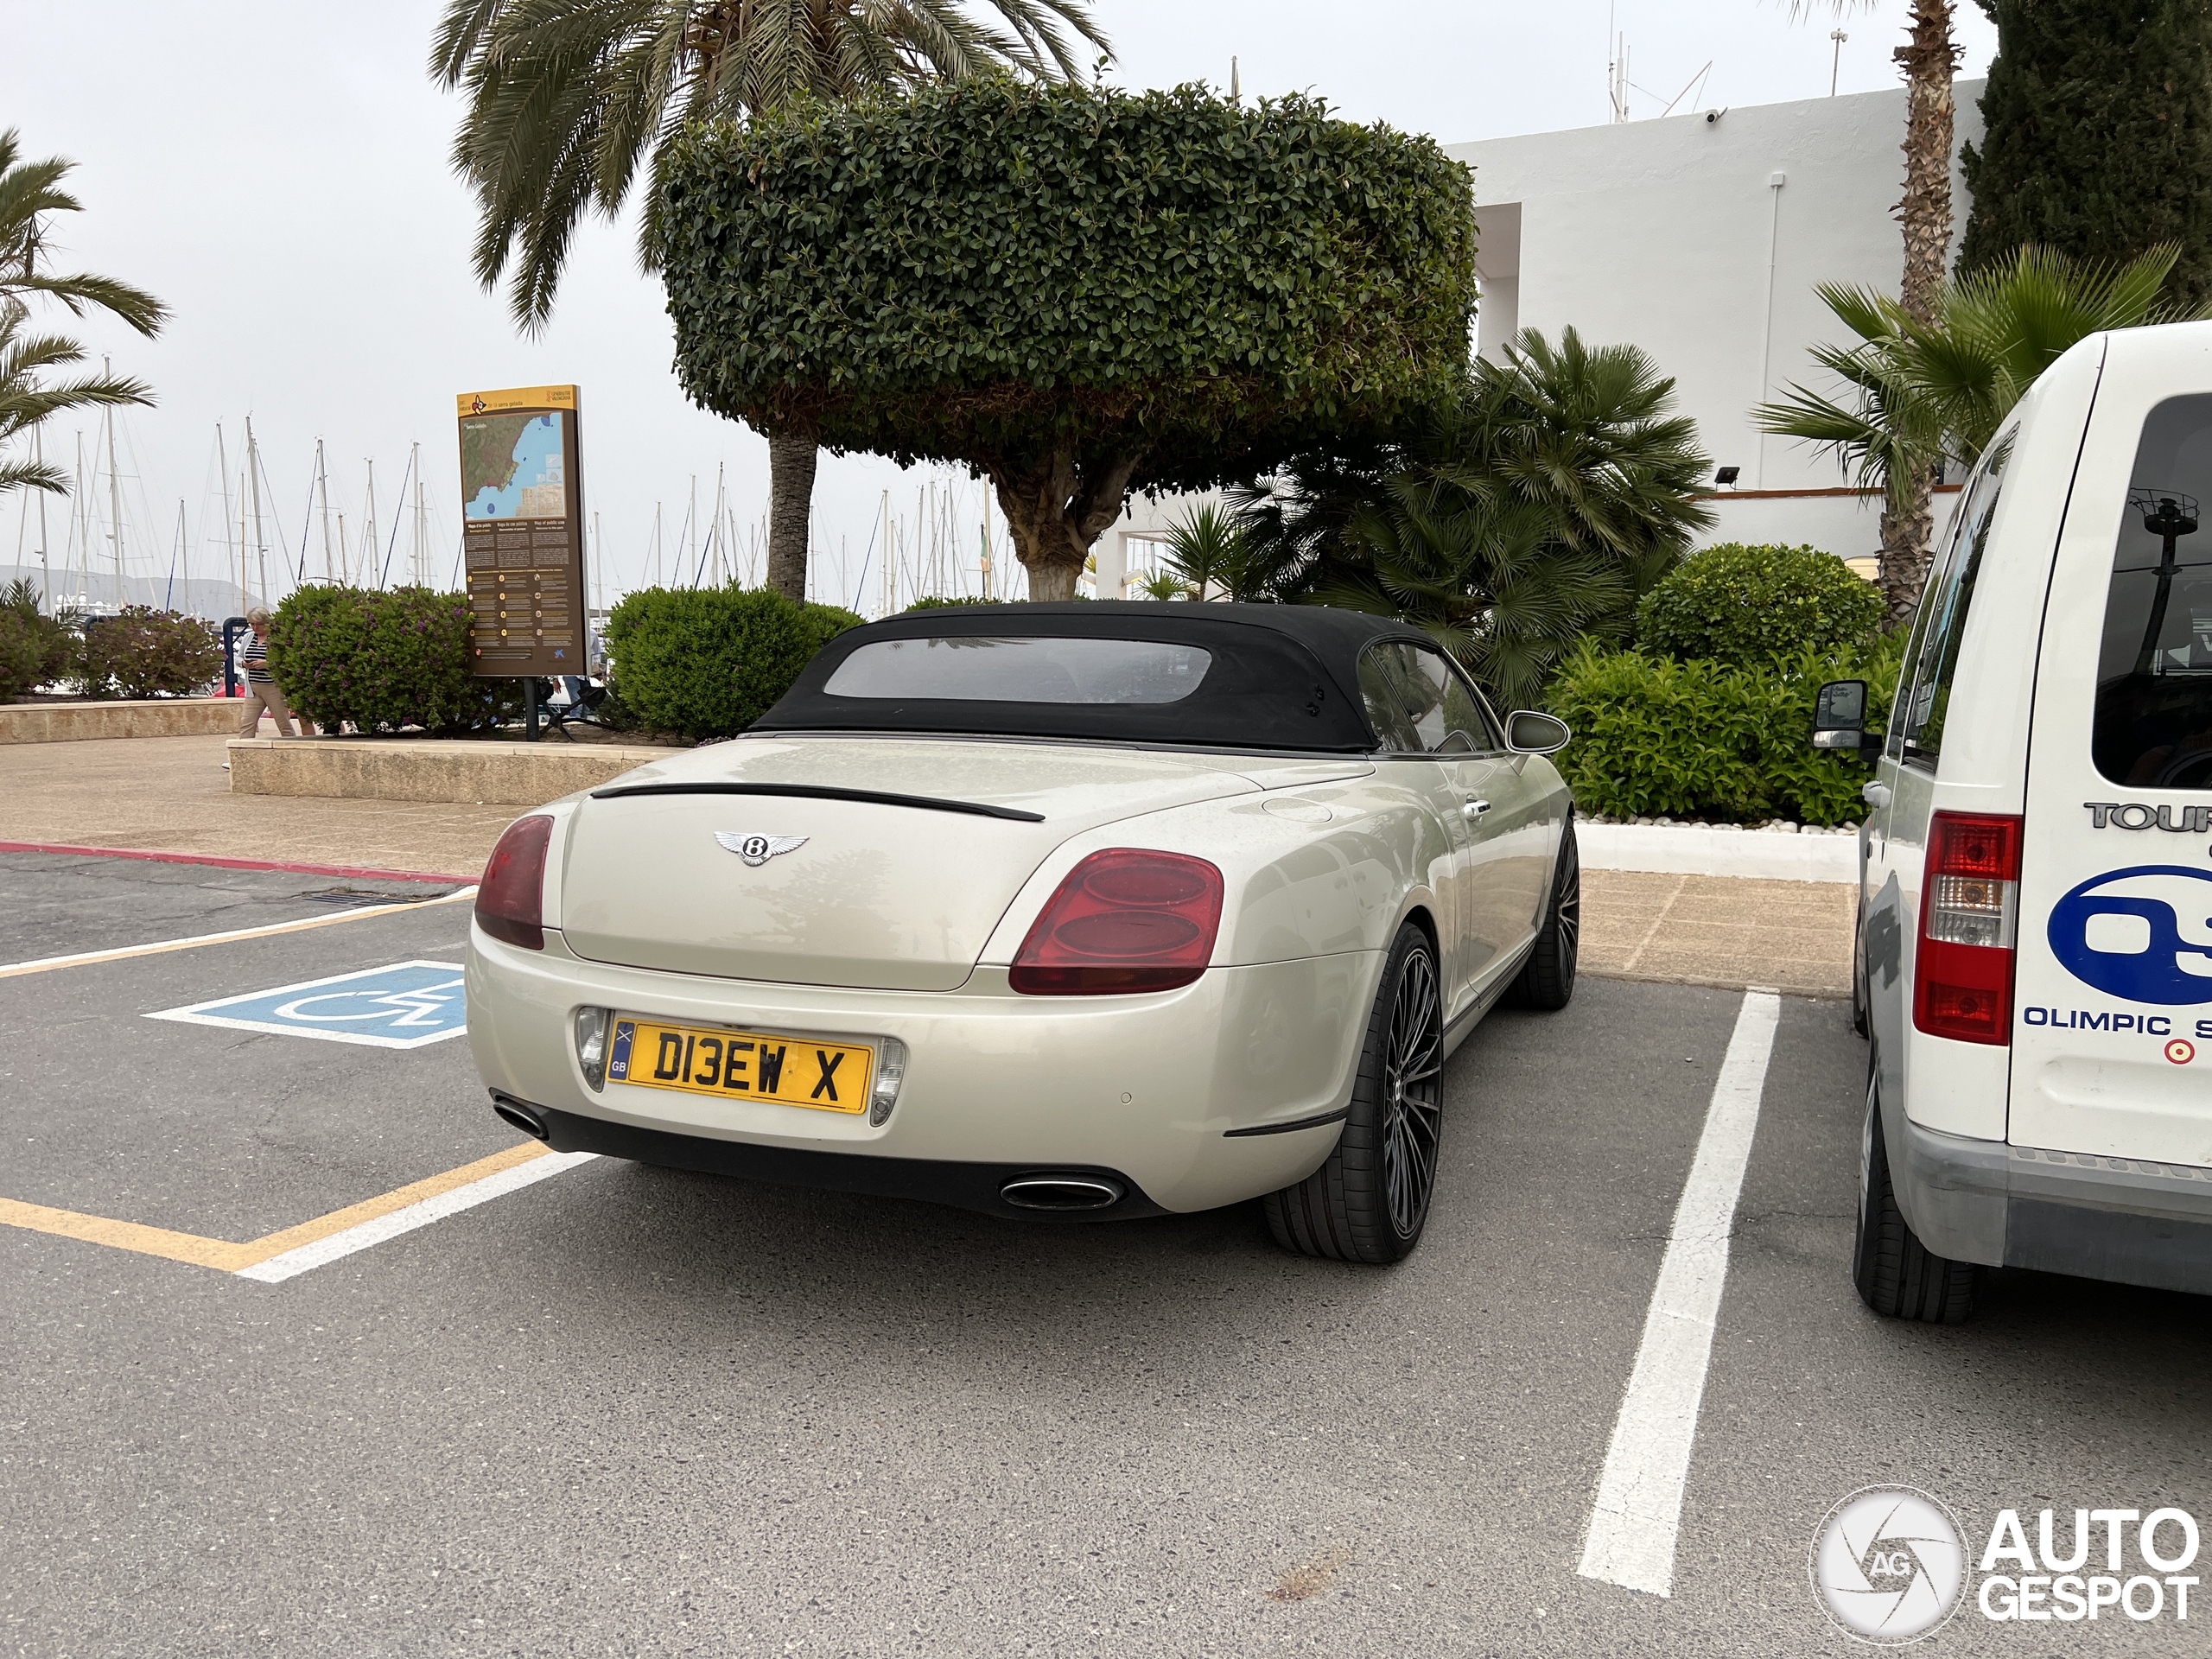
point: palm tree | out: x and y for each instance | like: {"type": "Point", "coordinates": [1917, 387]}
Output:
{"type": "Point", "coordinates": [1210, 556]}
{"type": "Point", "coordinates": [1928, 58]}
{"type": "Point", "coordinates": [1925, 390]}
{"type": "Point", "coordinates": [30, 193]}
{"type": "Point", "coordinates": [1538, 509]}
{"type": "Point", "coordinates": [568, 99]}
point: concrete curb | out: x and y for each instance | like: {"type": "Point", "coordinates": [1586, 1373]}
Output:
{"type": "Point", "coordinates": [76, 722]}
{"type": "Point", "coordinates": [1694, 849]}
{"type": "Point", "coordinates": [465, 773]}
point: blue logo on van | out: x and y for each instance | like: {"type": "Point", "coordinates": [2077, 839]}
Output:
{"type": "Point", "coordinates": [2144, 934]}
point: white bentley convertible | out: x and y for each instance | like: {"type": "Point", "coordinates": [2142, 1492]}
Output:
{"type": "Point", "coordinates": [1049, 911]}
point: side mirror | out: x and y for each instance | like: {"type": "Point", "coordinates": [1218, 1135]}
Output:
{"type": "Point", "coordinates": [1840, 718]}
{"type": "Point", "coordinates": [1529, 733]}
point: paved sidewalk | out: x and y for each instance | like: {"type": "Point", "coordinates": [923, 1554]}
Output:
{"type": "Point", "coordinates": [1719, 930]}
{"type": "Point", "coordinates": [172, 794]}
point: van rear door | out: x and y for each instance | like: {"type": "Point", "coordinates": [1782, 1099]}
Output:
{"type": "Point", "coordinates": [2111, 1027]}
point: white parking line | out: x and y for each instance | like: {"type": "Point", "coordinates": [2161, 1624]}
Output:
{"type": "Point", "coordinates": [1638, 1510]}
{"type": "Point", "coordinates": [292, 1263]}
{"type": "Point", "coordinates": [121, 953]}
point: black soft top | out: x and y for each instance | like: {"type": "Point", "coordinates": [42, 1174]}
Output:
{"type": "Point", "coordinates": [1283, 677]}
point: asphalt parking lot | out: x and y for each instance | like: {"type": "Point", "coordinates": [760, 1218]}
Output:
{"type": "Point", "coordinates": [627, 1410]}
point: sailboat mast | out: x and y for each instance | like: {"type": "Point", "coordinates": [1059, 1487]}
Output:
{"type": "Point", "coordinates": [369, 561]}
{"type": "Point", "coordinates": [222, 474]}
{"type": "Point", "coordinates": [422, 556]}
{"type": "Point", "coordinates": [45, 574]}
{"type": "Point", "coordinates": [260, 535]}
{"type": "Point", "coordinates": [322, 490]}
{"type": "Point", "coordinates": [115, 500]}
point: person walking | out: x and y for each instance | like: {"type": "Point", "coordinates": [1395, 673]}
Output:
{"type": "Point", "coordinates": [262, 691]}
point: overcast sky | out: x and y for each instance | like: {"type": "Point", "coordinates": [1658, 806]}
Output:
{"type": "Point", "coordinates": [278, 173]}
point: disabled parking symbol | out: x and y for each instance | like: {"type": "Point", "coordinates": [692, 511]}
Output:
{"type": "Point", "coordinates": [406, 1005]}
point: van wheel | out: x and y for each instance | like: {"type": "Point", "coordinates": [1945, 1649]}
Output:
{"type": "Point", "coordinates": [1859, 1020]}
{"type": "Point", "coordinates": [1369, 1202]}
{"type": "Point", "coordinates": [1898, 1276]}
{"type": "Point", "coordinates": [1546, 978]}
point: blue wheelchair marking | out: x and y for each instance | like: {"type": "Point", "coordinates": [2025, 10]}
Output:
{"type": "Point", "coordinates": [405, 1005]}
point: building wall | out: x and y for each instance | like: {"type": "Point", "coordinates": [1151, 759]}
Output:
{"type": "Point", "coordinates": [1701, 240]}
{"type": "Point", "coordinates": [1676, 236]}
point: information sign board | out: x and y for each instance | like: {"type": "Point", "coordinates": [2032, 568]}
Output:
{"type": "Point", "coordinates": [523, 531]}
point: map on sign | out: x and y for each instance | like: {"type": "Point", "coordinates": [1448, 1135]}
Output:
{"type": "Point", "coordinates": [512, 467]}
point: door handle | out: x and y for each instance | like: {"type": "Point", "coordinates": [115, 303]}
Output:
{"type": "Point", "coordinates": [1475, 809]}
{"type": "Point", "coordinates": [1874, 794]}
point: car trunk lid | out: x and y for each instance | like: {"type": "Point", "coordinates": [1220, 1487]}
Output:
{"type": "Point", "coordinates": [870, 863]}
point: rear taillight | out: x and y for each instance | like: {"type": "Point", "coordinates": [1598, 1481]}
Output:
{"type": "Point", "coordinates": [1122, 921]}
{"type": "Point", "coordinates": [509, 901]}
{"type": "Point", "coordinates": [1969, 913]}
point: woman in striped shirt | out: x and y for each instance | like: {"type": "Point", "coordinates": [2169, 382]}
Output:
{"type": "Point", "coordinates": [262, 691]}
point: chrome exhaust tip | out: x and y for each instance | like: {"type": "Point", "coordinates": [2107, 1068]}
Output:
{"type": "Point", "coordinates": [522, 1115]}
{"type": "Point", "coordinates": [1061, 1194]}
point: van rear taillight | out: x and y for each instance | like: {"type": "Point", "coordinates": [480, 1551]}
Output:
{"type": "Point", "coordinates": [1969, 915]}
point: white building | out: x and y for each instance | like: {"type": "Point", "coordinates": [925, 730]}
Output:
{"type": "Point", "coordinates": [1700, 238]}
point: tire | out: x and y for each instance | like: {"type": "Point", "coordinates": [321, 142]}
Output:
{"type": "Point", "coordinates": [1859, 1019]}
{"type": "Point", "coordinates": [1897, 1276]}
{"type": "Point", "coordinates": [1546, 978]}
{"type": "Point", "coordinates": [1369, 1202]}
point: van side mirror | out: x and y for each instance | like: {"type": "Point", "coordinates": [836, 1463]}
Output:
{"type": "Point", "coordinates": [1529, 733]}
{"type": "Point", "coordinates": [1840, 718]}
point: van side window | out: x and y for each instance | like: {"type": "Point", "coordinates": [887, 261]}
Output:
{"type": "Point", "coordinates": [2153, 720]}
{"type": "Point", "coordinates": [1943, 608]}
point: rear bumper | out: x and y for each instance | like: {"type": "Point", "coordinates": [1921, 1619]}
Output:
{"type": "Point", "coordinates": [2118, 1219]}
{"type": "Point", "coordinates": [965, 1185]}
{"type": "Point", "coordinates": [1229, 1088]}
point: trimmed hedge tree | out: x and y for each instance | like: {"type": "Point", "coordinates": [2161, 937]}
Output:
{"type": "Point", "coordinates": [1074, 291]}
{"type": "Point", "coordinates": [707, 662]}
{"type": "Point", "coordinates": [1744, 605]}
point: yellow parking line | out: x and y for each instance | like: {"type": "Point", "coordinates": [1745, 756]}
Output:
{"type": "Point", "coordinates": [48, 965]}
{"type": "Point", "coordinates": [227, 1257]}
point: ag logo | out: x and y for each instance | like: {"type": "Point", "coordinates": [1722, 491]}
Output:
{"type": "Point", "coordinates": [1888, 1565]}
{"type": "Point", "coordinates": [756, 850]}
{"type": "Point", "coordinates": [2144, 934]}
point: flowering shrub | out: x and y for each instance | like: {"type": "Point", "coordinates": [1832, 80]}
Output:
{"type": "Point", "coordinates": [143, 652]}
{"type": "Point", "coordinates": [382, 659]}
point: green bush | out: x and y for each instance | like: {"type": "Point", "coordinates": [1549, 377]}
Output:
{"type": "Point", "coordinates": [1654, 737]}
{"type": "Point", "coordinates": [1745, 605]}
{"type": "Point", "coordinates": [34, 649]}
{"type": "Point", "coordinates": [22, 656]}
{"type": "Point", "coordinates": [382, 659]}
{"type": "Point", "coordinates": [143, 652]}
{"type": "Point", "coordinates": [937, 603]}
{"type": "Point", "coordinates": [707, 662]}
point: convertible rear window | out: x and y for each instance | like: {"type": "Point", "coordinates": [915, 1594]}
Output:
{"type": "Point", "coordinates": [2154, 673]}
{"type": "Point", "coordinates": [1014, 668]}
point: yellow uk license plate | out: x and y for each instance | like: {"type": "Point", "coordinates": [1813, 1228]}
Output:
{"type": "Point", "coordinates": [742, 1065]}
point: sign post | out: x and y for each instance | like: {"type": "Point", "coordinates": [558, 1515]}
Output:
{"type": "Point", "coordinates": [523, 531]}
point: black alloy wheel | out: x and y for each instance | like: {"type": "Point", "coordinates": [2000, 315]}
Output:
{"type": "Point", "coordinates": [1370, 1200]}
{"type": "Point", "coordinates": [1546, 980]}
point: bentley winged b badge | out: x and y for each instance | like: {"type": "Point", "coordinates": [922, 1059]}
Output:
{"type": "Point", "coordinates": [756, 850]}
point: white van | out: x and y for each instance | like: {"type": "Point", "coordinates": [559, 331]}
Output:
{"type": "Point", "coordinates": [2034, 962]}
